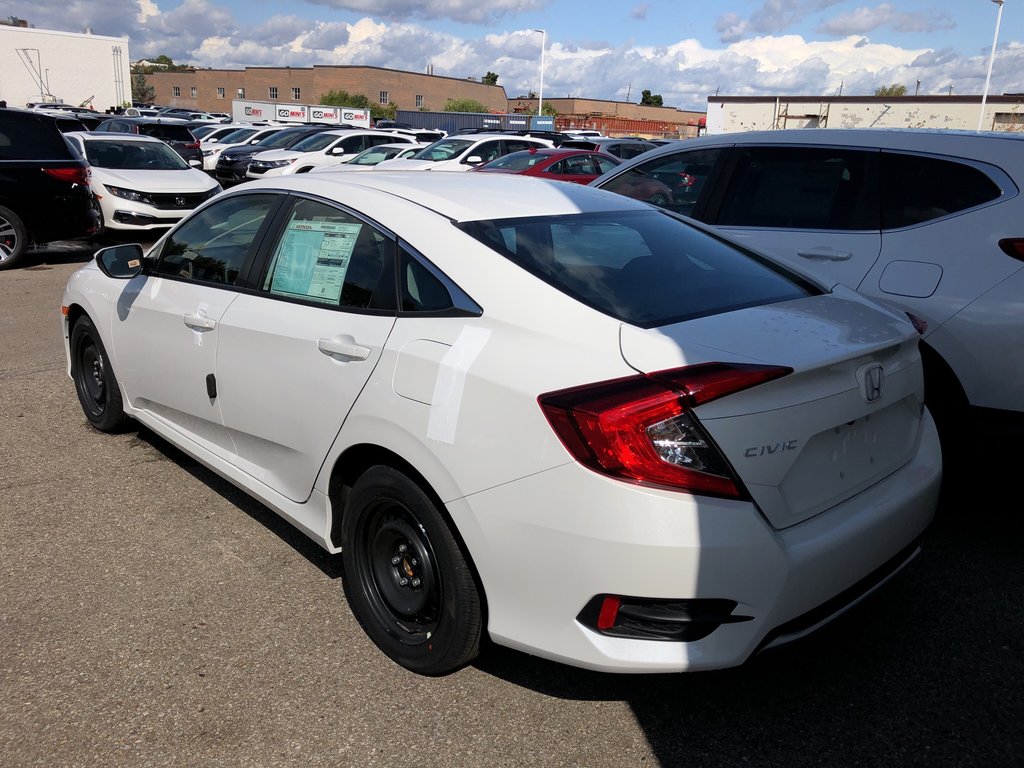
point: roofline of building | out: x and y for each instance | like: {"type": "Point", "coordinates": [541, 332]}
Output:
{"type": "Point", "coordinates": [1003, 99]}
{"type": "Point", "coordinates": [352, 66]}
{"type": "Point", "coordinates": [90, 35]}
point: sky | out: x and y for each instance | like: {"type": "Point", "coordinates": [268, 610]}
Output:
{"type": "Point", "coordinates": [682, 50]}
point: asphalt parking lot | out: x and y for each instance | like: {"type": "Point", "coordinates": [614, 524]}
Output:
{"type": "Point", "coordinates": [152, 615]}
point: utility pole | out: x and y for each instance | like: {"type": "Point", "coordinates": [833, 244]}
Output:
{"type": "Point", "coordinates": [628, 89]}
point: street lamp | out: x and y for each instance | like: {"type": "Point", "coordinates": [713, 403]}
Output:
{"type": "Point", "coordinates": [991, 60]}
{"type": "Point", "coordinates": [543, 43]}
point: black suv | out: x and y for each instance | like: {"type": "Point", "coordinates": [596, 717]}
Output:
{"type": "Point", "coordinates": [174, 132]}
{"type": "Point", "coordinates": [234, 161]}
{"type": "Point", "coordinates": [44, 186]}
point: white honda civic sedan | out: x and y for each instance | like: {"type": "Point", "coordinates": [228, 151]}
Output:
{"type": "Point", "coordinates": [140, 183]}
{"type": "Point", "coordinates": [531, 411]}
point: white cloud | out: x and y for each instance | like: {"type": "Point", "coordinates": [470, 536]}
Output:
{"type": "Point", "coordinates": [863, 20]}
{"type": "Point", "coordinates": [469, 11]}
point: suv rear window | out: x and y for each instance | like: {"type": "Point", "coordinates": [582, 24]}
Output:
{"type": "Point", "coordinates": [646, 268]}
{"type": "Point", "coordinates": [27, 137]}
{"type": "Point", "coordinates": [168, 132]}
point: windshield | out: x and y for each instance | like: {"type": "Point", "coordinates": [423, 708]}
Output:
{"type": "Point", "coordinates": [374, 155]}
{"type": "Point", "coordinates": [315, 142]}
{"type": "Point", "coordinates": [281, 139]}
{"type": "Point", "coordinates": [237, 136]}
{"type": "Point", "coordinates": [647, 268]}
{"type": "Point", "coordinates": [445, 149]}
{"type": "Point", "coordinates": [133, 156]}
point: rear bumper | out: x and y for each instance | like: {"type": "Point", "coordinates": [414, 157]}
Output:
{"type": "Point", "coordinates": [546, 545]}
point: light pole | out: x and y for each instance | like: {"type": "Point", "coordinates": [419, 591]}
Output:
{"type": "Point", "coordinates": [540, 94]}
{"type": "Point", "coordinates": [991, 60]}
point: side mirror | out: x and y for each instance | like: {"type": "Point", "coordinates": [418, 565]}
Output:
{"type": "Point", "coordinates": [121, 262]}
{"type": "Point", "coordinates": [474, 160]}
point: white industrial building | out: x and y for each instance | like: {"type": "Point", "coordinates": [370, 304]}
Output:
{"type": "Point", "coordinates": [759, 113]}
{"type": "Point", "coordinates": [45, 65]}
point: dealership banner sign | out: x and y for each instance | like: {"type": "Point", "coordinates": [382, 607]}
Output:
{"type": "Point", "coordinates": [269, 111]}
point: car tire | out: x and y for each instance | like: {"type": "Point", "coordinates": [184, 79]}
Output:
{"type": "Point", "coordinates": [13, 238]}
{"type": "Point", "coordinates": [95, 383]}
{"type": "Point", "coordinates": [405, 576]}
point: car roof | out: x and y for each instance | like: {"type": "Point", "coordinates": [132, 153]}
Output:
{"type": "Point", "coordinates": [108, 137]}
{"type": "Point", "coordinates": [458, 196]}
{"type": "Point", "coordinates": [990, 146]}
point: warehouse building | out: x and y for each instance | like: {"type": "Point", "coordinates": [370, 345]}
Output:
{"type": "Point", "coordinates": [213, 90]}
{"type": "Point", "coordinates": [80, 69]}
{"type": "Point", "coordinates": [728, 114]}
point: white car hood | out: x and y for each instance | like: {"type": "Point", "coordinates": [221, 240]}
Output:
{"type": "Point", "coordinates": [189, 180]}
{"type": "Point", "coordinates": [277, 154]}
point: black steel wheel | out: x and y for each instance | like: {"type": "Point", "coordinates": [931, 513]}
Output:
{"type": "Point", "coordinates": [94, 379]}
{"type": "Point", "coordinates": [406, 578]}
{"type": "Point", "coordinates": [13, 238]}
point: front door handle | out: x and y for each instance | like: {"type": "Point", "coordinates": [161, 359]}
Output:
{"type": "Point", "coordinates": [343, 346]}
{"type": "Point", "coordinates": [825, 253]}
{"type": "Point", "coordinates": [200, 322]}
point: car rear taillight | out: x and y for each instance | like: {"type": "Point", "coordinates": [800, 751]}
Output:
{"type": "Point", "coordinates": [193, 145]}
{"type": "Point", "coordinates": [76, 174]}
{"type": "Point", "coordinates": [1013, 247]}
{"type": "Point", "coordinates": [642, 428]}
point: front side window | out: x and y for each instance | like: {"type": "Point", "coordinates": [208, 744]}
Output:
{"type": "Point", "coordinates": [272, 92]}
{"type": "Point", "coordinates": [646, 268]}
{"type": "Point", "coordinates": [213, 245]}
{"type": "Point", "coordinates": [801, 188]}
{"type": "Point", "coordinates": [915, 188]}
{"type": "Point", "coordinates": [673, 181]}
{"type": "Point", "coordinates": [327, 256]}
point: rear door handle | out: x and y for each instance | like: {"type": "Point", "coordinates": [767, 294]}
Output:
{"type": "Point", "coordinates": [200, 322]}
{"type": "Point", "coordinates": [825, 253]}
{"type": "Point", "coordinates": [343, 346]}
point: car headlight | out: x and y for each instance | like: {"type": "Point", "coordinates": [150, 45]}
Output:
{"type": "Point", "coordinates": [214, 151]}
{"type": "Point", "coordinates": [275, 163]}
{"type": "Point", "coordinates": [130, 194]}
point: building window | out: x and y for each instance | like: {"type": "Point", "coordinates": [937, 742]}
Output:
{"type": "Point", "coordinates": [241, 93]}
{"type": "Point", "coordinates": [192, 91]}
{"type": "Point", "coordinates": [272, 92]}
{"type": "Point", "coordinates": [296, 94]}
{"type": "Point", "coordinates": [220, 93]}
{"type": "Point", "coordinates": [175, 90]}
{"type": "Point", "coordinates": [419, 101]}
{"type": "Point", "coordinates": [383, 97]}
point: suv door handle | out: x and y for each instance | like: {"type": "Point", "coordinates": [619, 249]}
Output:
{"type": "Point", "coordinates": [825, 253]}
{"type": "Point", "coordinates": [200, 322]}
{"type": "Point", "coordinates": [343, 346]}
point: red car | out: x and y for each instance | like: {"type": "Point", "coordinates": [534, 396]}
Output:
{"type": "Point", "coordinates": [579, 165]}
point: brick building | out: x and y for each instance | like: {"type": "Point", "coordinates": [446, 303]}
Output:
{"type": "Point", "coordinates": [617, 118]}
{"type": "Point", "coordinates": [213, 89]}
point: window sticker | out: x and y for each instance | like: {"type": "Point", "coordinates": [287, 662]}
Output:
{"type": "Point", "coordinates": [313, 258]}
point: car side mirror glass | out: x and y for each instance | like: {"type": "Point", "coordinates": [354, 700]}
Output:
{"type": "Point", "coordinates": [121, 262]}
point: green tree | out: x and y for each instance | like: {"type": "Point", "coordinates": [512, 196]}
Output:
{"type": "Point", "coordinates": [142, 91]}
{"type": "Point", "coordinates": [335, 98]}
{"type": "Point", "coordinates": [548, 109]}
{"type": "Point", "coordinates": [464, 105]}
{"type": "Point", "coordinates": [489, 79]}
{"type": "Point", "coordinates": [891, 90]}
{"type": "Point", "coordinates": [651, 100]}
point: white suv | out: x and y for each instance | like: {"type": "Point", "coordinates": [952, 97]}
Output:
{"type": "Point", "coordinates": [463, 152]}
{"type": "Point", "coordinates": [929, 221]}
{"type": "Point", "coordinates": [321, 150]}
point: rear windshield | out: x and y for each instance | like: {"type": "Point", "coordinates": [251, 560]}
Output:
{"type": "Point", "coordinates": [168, 132]}
{"type": "Point", "coordinates": [646, 268]}
{"type": "Point", "coordinates": [24, 137]}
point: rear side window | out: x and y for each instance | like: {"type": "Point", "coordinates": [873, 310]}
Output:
{"type": "Point", "coordinates": [917, 189]}
{"type": "Point", "coordinates": [801, 188]}
{"type": "Point", "coordinates": [168, 132]}
{"type": "Point", "coordinates": [646, 268]}
{"type": "Point", "coordinates": [29, 138]}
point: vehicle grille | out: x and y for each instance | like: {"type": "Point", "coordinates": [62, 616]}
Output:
{"type": "Point", "coordinates": [179, 202]}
